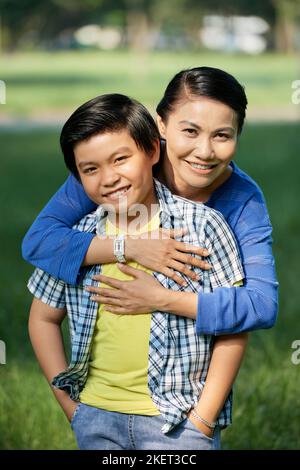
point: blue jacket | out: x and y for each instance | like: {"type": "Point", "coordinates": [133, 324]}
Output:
{"type": "Point", "coordinates": [53, 246]}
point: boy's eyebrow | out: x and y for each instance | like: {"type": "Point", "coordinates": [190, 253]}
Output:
{"type": "Point", "coordinates": [225, 128]}
{"type": "Point", "coordinates": [116, 152]}
{"type": "Point", "coordinates": [120, 150]}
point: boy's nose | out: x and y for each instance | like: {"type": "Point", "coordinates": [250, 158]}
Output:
{"type": "Point", "coordinates": [109, 178]}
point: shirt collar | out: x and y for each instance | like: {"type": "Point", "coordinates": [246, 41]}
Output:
{"type": "Point", "coordinates": [168, 203]}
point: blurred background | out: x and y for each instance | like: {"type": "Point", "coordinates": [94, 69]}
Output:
{"type": "Point", "coordinates": [56, 54]}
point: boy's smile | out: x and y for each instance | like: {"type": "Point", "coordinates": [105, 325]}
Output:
{"type": "Point", "coordinates": [115, 172]}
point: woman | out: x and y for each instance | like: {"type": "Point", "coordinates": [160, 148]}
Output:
{"type": "Point", "coordinates": [200, 118]}
{"type": "Point", "coordinates": [137, 377]}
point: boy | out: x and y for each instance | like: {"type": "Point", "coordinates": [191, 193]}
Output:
{"type": "Point", "coordinates": [111, 144]}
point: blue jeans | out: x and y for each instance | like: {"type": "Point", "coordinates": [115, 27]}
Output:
{"type": "Point", "coordinates": [99, 429]}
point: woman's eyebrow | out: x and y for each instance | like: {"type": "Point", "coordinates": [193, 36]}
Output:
{"type": "Point", "coordinates": [190, 123]}
{"type": "Point", "coordinates": [219, 129]}
{"type": "Point", "coordinates": [227, 128]}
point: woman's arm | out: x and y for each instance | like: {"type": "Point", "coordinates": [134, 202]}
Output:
{"type": "Point", "coordinates": [53, 246]}
{"type": "Point", "coordinates": [253, 306]}
{"type": "Point", "coordinates": [50, 243]}
{"type": "Point", "coordinates": [225, 362]}
{"type": "Point", "coordinates": [46, 339]}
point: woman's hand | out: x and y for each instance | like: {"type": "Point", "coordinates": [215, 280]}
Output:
{"type": "Point", "coordinates": [159, 252]}
{"type": "Point", "coordinates": [141, 295]}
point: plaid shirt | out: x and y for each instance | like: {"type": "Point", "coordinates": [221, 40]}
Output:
{"type": "Point", "coordinates": [178, 359]}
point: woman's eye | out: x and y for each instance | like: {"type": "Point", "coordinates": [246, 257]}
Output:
{"type": "Point", "coordinates": [190, 131]}
{"type": "Point", "coordinates": [222, 136]}
{"type": "Point", "coordinates": [120, 159]}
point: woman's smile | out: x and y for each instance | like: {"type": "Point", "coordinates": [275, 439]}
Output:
{"type": "Point", "coordinates": [201, 168]}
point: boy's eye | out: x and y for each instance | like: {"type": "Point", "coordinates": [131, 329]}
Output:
{"type": "Point", "coordinates": [89, 170]}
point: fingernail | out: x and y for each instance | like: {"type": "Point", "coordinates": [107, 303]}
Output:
{"type": "Point", "coordinates": [207, 265]}
{"type": "Point", "coordinates": [205, 252]}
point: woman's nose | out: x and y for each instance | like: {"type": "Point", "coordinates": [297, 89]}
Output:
{"type": "Point", "coordinates": [204, 149]}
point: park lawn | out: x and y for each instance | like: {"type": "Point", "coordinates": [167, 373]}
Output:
{"type": "Point", "coordinates": [267, 399]}
{"type": "Point", "coordinates": [42, 85]}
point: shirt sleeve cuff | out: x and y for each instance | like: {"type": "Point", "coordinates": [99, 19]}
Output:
{"type": "Point", "coordinates": [71, 270]}
{"type": "Point", "coordinates": [206, 314]}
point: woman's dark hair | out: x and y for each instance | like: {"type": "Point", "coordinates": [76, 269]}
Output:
{"type": "Point", "coordinates": [205, 81]}
{"type": "Point", "coordinates": [108, 113]}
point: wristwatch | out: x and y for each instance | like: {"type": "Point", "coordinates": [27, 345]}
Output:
{"type": "Point", "coordinates": [119, 248]}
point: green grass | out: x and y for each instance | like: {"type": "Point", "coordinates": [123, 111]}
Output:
{"type": "Point", "coordinates": [46, 83]}
{"type": "Point", "coordinates": [267, 399]}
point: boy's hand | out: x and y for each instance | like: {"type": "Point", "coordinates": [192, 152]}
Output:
{"type": "Point", "coordinates": [69, 409]}
{"type": "Point", "coordinates": [201, 426]}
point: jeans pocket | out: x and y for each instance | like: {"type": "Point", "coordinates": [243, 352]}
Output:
{"type": "Point", "coordinates": [191, 425]}
{"type": "Point", "coordinates": [75, 415]}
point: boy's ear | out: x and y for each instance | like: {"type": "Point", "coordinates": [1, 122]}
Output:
{"type": "Point", "coordinates": [161, 126]}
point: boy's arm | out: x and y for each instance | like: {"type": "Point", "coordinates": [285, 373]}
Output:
{"type": "Point", "coordinates": [46, 338]}
{"type": "Point", "coordinates": [225, 362]}
{"type": "Point", "coordinates": [228, 351]}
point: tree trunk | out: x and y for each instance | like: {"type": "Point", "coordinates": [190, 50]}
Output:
{"type": "Point", "coordinates": [138, 31]}
{"type": "Point", "coordinates": [285, 28]}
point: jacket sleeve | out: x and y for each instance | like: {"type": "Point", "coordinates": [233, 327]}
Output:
{"type": "Point", "coordinates": [254, 305]}
{"type": "Point", "coordinates": [50, 243]}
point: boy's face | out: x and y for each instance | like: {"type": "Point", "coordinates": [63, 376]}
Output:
{"type": "Point", "coordinates": [114, 171]}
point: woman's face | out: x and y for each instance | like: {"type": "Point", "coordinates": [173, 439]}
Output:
{"type": "Point", "coordinates": [201, 139]}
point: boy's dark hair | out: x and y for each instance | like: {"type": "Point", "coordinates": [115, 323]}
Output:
{"type": "Point", "coordinates": [108, 113]}
{"type": "Point", "coordinates": [205, 81]}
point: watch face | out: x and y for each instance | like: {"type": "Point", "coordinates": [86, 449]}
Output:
{"type": "Point", "coordinates": [119, 249]}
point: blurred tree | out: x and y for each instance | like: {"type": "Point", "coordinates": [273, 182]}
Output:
{"type": "Point", "coordinates": [287, 23]}
{"type": "Point", "coordinates": [44, 19]}
{"type": "Point", "coordinates": [38, 22]}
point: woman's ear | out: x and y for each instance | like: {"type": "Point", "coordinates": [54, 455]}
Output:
{"type": "Point", "coordinates": [156, 153]}
{"type": "Point", "coordinates": [161, 126]}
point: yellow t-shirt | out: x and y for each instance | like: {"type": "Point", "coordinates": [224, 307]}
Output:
{"type": "Point", "coordinates": [118, 368]}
